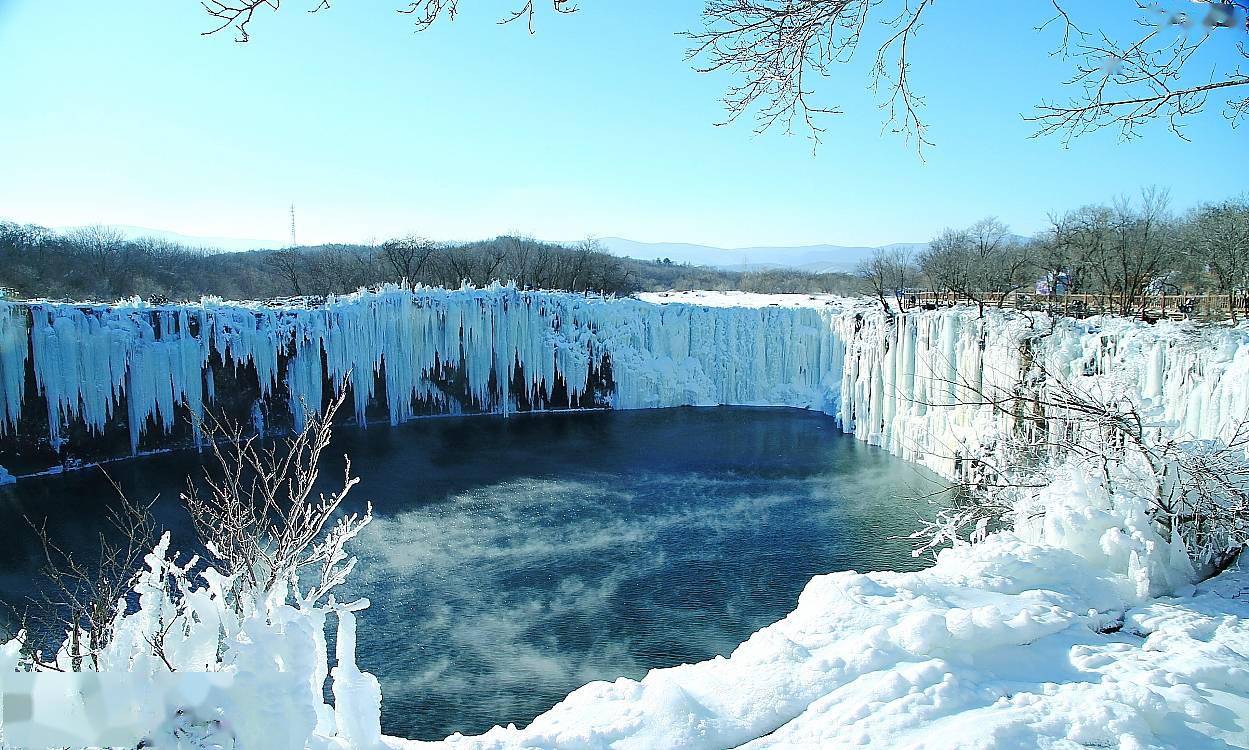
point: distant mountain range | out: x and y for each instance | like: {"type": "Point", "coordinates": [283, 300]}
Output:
{"type": "Point", "coordinates": [811, 258]}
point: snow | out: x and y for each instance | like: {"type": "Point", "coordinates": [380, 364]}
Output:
{"type": "Point", "coordinates": [1079, 627]}
{"type": "Point", "coordinates": [233, 670]}
{"type": "Point", "coordinates": [1000, 644]}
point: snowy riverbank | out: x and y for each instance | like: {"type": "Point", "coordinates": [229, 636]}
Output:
{"type": "Point", "coordinates": [1036, 639]}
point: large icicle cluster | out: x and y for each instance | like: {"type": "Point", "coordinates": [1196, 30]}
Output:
{"type": "Point", "coordinates": [910, 387]}
{"type": "Point", "coordinates": [904, 385]}
{"type": "Point", "coordinates": [1190, 379]}
{"type": "Point", "coordinates": [87, 361]}
{"type": "Point", "coordinates": [13, 348]}
{"type": "Point", "coordinates": [678, 355]}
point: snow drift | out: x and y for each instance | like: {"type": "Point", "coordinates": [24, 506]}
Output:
{"type": "Point", "coordinates": [1033, 639]}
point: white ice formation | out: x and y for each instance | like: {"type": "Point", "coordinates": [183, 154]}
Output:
{"type": "Point", "coordinates": [881, 383]}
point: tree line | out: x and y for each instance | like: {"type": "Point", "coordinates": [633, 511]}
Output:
{"type": "Point", "coordinates": [1125, 252]}
{"type": "Point", "coordinates": [99, 263]}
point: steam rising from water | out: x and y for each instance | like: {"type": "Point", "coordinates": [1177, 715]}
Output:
{"type": "Point", "coordinates": [514, 560]}
{"type": "Point", "coordinates": [511, 595]}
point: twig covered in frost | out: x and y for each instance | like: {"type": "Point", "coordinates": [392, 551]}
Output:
{"type": "Point", "coordinates": [255, 512]}
{"type": "Point", "coordinates": [81, 599]}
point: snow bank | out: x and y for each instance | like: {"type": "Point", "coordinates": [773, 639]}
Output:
{"type": "Point", "coordinates": [1044, 638]}
{"type": "Point", "coordinates": [197, 660]}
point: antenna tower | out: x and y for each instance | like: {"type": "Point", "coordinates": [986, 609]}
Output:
{"type": "Point", "coordinates": [293, 243]}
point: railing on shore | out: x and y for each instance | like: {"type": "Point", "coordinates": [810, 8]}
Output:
{"type": "Point", "coordinates": [1156, 306]}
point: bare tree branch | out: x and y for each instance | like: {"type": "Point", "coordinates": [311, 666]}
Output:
{"type": "Point", "coordinates": [1126, 86]}
{"type": "Point", "coordinates": [773, 50]}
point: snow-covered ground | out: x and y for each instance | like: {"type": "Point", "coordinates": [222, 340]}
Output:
{"type": "Point", "coordinates": [1079, 628]}
{"type": "Point", "coordinates": [1037, 639]}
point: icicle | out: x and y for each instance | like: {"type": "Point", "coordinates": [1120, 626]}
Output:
{"type": "Point", "coordinates": [14, 344]}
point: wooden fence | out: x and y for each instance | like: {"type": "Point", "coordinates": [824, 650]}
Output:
{"type": "Point", "coordinates": [1156, 306]}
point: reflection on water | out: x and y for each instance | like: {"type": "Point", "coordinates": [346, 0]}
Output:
{"type": "Point", "coordinates": [513, 560]}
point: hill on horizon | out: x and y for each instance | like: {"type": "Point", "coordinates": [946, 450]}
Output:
{"type": "Point", "coordinates": [822, 258]}
{"type": "Point", "coordinates": [811, 258]}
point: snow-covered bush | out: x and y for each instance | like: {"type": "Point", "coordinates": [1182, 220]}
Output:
{"type": "Point", "coordinates": [1194, 491]}
{"type": "Point", "coordinates": [252, 612]}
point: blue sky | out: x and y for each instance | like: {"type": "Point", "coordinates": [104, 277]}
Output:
{"type": "Point", "coordinates": [122, 113]}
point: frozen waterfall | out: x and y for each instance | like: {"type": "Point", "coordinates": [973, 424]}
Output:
{"type": "Point", "coordinates": [904, 385]}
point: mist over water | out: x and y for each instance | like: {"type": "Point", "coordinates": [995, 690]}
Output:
{"type": "Point", "coordinates": [514, 560]}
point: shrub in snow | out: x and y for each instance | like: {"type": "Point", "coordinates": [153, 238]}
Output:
{"type": "Point", "coordinates": [254, 612]}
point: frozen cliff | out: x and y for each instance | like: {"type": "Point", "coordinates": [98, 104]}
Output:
{"type": "Point", "coordinates": [155, 369]}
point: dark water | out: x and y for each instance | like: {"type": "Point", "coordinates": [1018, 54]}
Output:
{"type": "Point", "coordinates": [513, 560]}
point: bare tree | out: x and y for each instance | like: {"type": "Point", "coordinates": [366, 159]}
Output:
{"type": "Point", "coordinates": [1136, 248]}
{"type": "Point", "coordinates": [946, 263]}
{"type": "Point", "coordinates": [254, 509]}
{"type": "Point", "coordinates": [888, 272]}
{"type": "Point", "coordinates": [238, 14]}
{"type": "Point", "coordinates": [1064, 254]}
{"type": "Point", "coordinates": [1217, 236]}
{"type": "Point", "coordinates": [1181, 57]}
{"type": "Point", "coordinates": [1123, 78]}
{"type": "Point", "coordinates": [427, 12]}
{"type": "Point", "coordinates": [406, 257]}
{"type": "Point", "coordinates": [289, 265]}
{"type": "Point", "coordinates": [103, 247]}
{"type": "Point", "coordinates": [81, 597]}
{"type": "Point", "coordinates": [775, 48]}
{"type": "Point", "coordinates": [1000, 261]}
{"type": "Point", "coordinates": [977, 263]}
{"type": "Point", "coordinates": [339, 269]}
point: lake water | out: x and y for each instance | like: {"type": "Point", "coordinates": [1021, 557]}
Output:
{"type": "Point", "coordinates": [514, 560]}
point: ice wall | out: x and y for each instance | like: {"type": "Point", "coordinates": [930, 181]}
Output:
{"type": "Point", "coordinates": [910, 385]}
{"type": "Point", "coordinates": [156, 361]}
{"type": "Point", "coordinates": [678, 354]}
{"type": "Point", "coordinates": [88, 361]}
{"type": "Point", "coordinates": [1191, 381]}
{"type": "Point", "coordinates": [907, 384]}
